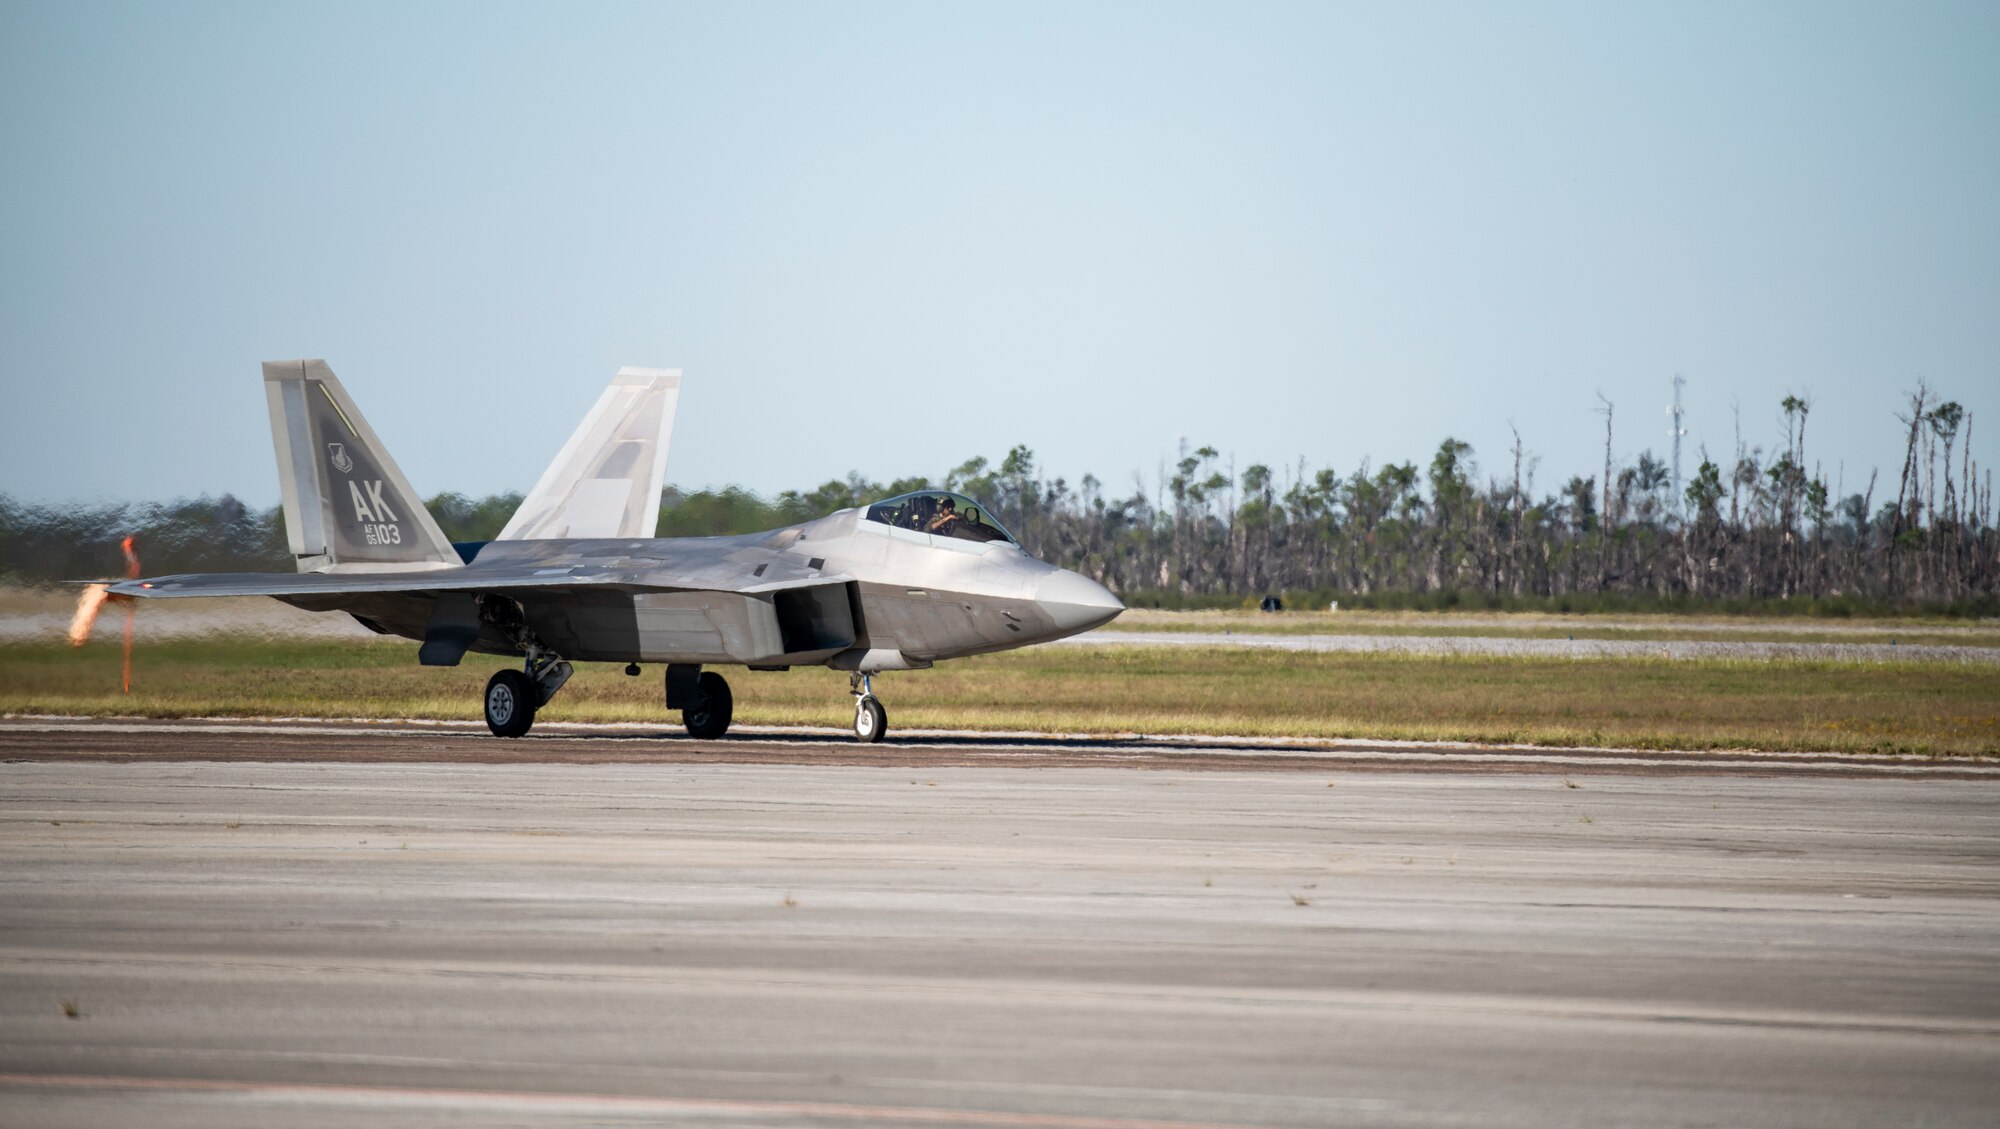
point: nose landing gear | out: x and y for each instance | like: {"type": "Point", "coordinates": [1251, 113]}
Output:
{"type": "Point", "coordinates": [871, 721]}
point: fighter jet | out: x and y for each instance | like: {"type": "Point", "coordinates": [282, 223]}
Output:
{"type": "Point", "coordinates": [577, 575]}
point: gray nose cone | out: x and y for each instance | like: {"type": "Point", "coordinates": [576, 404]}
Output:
{"type": "Point", "coordinates": [1075, 602]}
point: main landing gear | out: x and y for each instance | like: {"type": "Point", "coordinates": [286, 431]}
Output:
{"type": "Point", "coordinates": [871, 721]}
{"type": "Point", "coordinates": [703, 698]}
{"type": "Point", "coordinates": [510, 703]}
{"type": "Point", "coordinates": [514, 696]}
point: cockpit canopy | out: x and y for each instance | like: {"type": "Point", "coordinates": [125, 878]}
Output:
{"type": "Point", "coordinates": [940, 513]}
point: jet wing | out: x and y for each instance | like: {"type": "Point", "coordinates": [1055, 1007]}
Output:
{"type": "Point", "coordinates": [447, 580]}
{"type": "Point", "coordinates": [343, 584]}
{"type": "Point", "coordinates": [586, 612]}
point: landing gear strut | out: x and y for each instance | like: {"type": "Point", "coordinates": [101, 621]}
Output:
{"type": "Point", "coordinates": [514, 696]}
{"type": "Point", "coordinates": [870, 719]}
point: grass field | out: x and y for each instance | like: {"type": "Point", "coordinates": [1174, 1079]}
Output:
{"type": "Point", "coordinates": [1940, 709]}
{"type": "Point", "coordinates": [1529, 625]}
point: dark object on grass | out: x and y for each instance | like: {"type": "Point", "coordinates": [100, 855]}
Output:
{"type": "Point", "coordinates": [1271, 604]}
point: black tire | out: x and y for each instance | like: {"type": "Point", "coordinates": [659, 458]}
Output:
{"type": "Point", "coordinates": [511, 700]}
{"type": "Point", "coordinates": [871, 721]}
{"type": "Point", "coordinates": [709, 717]}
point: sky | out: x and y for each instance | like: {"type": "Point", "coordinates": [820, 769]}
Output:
{"type": "Point", "coordinates": [888, 237]}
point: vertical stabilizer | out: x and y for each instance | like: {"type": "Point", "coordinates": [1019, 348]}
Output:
{"type": "Point", "coordinates": [348, 507]}
{"type": "Point", "coordinates": [606, 480]}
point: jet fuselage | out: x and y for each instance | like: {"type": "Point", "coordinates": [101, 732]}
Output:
{"type": "Point", "coordinates": [852, 593]}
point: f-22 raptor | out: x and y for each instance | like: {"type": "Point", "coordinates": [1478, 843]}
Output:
{"type": "Point", "coordinates": [577, 575]}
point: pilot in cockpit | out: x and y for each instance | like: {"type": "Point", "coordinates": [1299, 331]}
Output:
{"type": "Point", "coordinates": [947, 517]}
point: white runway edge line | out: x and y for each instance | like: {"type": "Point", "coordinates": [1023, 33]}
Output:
{"type": "Point", "coordinates": [1332, 751]}
{"type": "Point", "coordinates": [438, 1098]}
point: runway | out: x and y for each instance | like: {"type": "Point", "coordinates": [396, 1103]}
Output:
{"type": "Point", "coordinates": [360, 929]}
{"type": "Point", "coordinates": [309, 740]}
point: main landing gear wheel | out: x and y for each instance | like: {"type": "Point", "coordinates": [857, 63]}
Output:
{"type": "Point", "coordinates": [709, 717]}
{"type": "Point", "coordinates": [870, 720]}
{"type": "Point", "coordinates": [511, 698]}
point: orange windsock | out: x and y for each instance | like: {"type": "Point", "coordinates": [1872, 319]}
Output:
{"type": "Point", "coordinates": [91, 604]}
{"type": "Point", "coordinates": [87, 607]}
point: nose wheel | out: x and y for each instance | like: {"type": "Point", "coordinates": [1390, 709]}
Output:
{"type": "Point", "coordinates": [871, 721]}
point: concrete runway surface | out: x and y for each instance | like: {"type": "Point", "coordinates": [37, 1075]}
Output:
{"type": "Point", "coordinates": [348, 936]}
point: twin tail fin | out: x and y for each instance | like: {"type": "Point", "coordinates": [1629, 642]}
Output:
{"type": "Point", "coordinates": [606, 480]}
{"type": "Point", "coordinates": [348, 507]}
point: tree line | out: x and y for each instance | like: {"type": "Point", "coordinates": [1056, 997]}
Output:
{"type": "Point", "coordinates": [1758, 528]}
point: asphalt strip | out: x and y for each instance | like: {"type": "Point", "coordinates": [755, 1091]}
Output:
{"type": "Point", "coordinates": [930, 744]}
